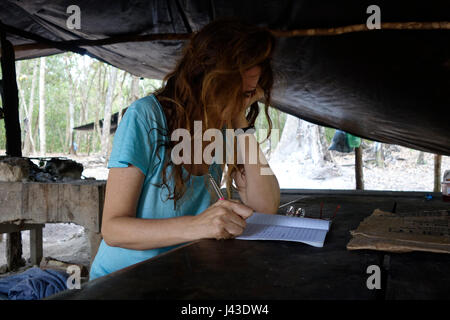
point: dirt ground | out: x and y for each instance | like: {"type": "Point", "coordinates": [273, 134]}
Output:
{"type": "Point", "coordinates": [400, 172]}
{"type": "Point", "coordinates": [68, 242]}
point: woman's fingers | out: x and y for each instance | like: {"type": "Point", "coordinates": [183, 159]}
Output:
{"type": "Point", "coordinates": [238, 208]}
{"type": "Point", "coordinates": [233, 229]}
{"type": "Point", "coordinates": [224, 234]}
{"type": "Point", "coordinates": [237, 220]}
{"type": "Point", "coordinates": [228, 218]}
{"type": "Point", "coordinates": [233, 224]}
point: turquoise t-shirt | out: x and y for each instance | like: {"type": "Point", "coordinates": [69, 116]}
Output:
{"type": "Point", "coordinates": [136, 142]}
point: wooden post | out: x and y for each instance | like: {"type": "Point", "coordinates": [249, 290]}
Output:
{"type": "Point", "coordinates": [10, 98]}
{"type": "Point", "coordinates": [359, 169]}
{"type": "Point", "coordinates": [14, 258]}
{"type": "Point", "coordinates": [437, 172]}
{"type": "Point", "coordinates": [36, 247]}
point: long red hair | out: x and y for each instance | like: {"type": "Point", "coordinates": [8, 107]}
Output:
{"type": "Point", "coordinates": [206, 85]}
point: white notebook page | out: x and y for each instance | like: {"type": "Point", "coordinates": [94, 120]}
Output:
{"type": "Point", "coordinates": [262, 226]}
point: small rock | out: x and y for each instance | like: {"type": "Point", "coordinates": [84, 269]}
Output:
{"type": "Point", "coordinates": [13, 169]}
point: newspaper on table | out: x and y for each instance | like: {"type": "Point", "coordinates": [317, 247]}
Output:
{"type": "Point", "coordinates": [403, 232]}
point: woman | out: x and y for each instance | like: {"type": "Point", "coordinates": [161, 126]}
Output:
{"type": "Point", "coordinates": [153, 203]}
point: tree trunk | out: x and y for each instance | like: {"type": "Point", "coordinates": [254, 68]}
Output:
{"type": "Point", "coordinates": [107, 113]}
{"type": "Point", "coordinates": [72, 91]}
{"type": "Point", "coordinates": [122, 98]}
{"type": "Point", "coordinates": [29, 141]}
{"type": "Point", "coordinates": [42, 133]}
{"type": "Point", "coordinates": [421, 158]}
{"type": "Point", "coordinates": [22, 105]}
{"type": "Point", "coordinates": [65, 143]}
{"type": "Point", "coordinates": [71, 123]}
{"type": "Point", "coordinates": [61, 140]}
{"type": "Point", "coordinates": [327, 155]}
{"type": "Point", "coordinates": [95, 131]}
{"type": "Point", "coordinates": [134, 95]}
{"type": "Point", "coordinates": [379, 154]}
{"type": "Point", "coordinates": [82, 136]}
{"type": "Point", "coordinates": [300, 142]}
{"type": "Point", "coordinates": [134, 90]}
{"type": "Point", "coordinates": [101, 97]}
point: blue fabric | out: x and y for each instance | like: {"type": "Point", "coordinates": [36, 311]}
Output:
{"type": "Point", "coordinates": [136, 142]}
{"type": "Point", "coordinates": [33, 284]}
{"type": "Point", "coordinates": [340, 142]}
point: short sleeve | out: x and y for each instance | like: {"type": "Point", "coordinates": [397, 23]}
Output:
{"type": "Point", "coordinates": [132, 143]}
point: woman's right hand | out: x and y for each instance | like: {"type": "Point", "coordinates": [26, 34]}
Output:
{"type": "Point", "coordinates": [225, 219]}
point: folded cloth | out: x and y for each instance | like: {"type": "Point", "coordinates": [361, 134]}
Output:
{"type": "Point", "coordinates": [33, 284]}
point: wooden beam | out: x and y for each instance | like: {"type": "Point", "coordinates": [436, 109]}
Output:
{"type": "Point", "coordinates": [44, 42]}
{"type": "Point", "coordinates": [75, 45]}
{"type": "Point", "coordinates": [359, 177]}
{"type": "Point", "coordinates": [439, 25]}
{"type": "Point", "coordinates": [437, 172]}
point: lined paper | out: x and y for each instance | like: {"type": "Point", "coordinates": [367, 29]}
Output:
{"type": "Point", "coordinates": [261, 226]}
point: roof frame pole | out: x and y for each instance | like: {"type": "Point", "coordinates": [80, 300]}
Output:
{"type": "Point", "coordinates": [359, 177]}
{"type": "Point", "coordinates": [437, 172]}
{"type": "Point", "coordinates": [10, 98]}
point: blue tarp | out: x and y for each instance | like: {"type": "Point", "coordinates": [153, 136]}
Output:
{"type": "Point", "coordinates": [340, 142]}
{"type": "Point", "coordinates": [33, 284]}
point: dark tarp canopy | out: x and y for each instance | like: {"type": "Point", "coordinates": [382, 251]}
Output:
{"type": "Point", "coordinates": [392, 86]}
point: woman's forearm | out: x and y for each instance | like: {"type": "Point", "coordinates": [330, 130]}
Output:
{"type": "Point", "coordinates": [262, 191]}
{"type": "Point", "coordinates": [144, 234]}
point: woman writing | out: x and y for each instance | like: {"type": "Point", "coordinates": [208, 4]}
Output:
{"type": "Point", "coordinates": [153, 203]}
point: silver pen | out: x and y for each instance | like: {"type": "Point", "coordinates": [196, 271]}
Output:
{"type": "Point", "coordinates": [216, 187]}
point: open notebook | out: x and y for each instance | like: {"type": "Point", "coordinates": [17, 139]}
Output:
{"type": "Point", "coordinates": [261, 226]}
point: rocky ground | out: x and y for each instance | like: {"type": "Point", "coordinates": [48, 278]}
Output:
{"type": "Point", "coordinates": [68, 242]}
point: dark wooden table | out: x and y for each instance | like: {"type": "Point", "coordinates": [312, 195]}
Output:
{"type": "Point", "coordinates": [238, 269]}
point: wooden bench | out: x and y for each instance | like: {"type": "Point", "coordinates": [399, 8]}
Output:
{"type": "Point", "coordinates": [36, 248]}
{"type": "Point", "coordinates": [79, 202]}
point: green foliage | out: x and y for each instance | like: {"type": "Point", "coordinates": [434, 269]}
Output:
{"type": "Point", "coordinates": [86, 74]}
{"type": "Point", "coordinates": [329, 133]}
{"type": "Point", "coordinates": [85, 80]}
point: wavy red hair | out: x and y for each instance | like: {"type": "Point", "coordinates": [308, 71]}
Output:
{"type": "Point", "coordinates": [206, 85]}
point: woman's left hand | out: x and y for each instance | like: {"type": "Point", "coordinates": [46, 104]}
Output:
{"type": "Point", "coordinates": [241, 121]}
{"type": "Point", "coordinates": [251, 98]}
